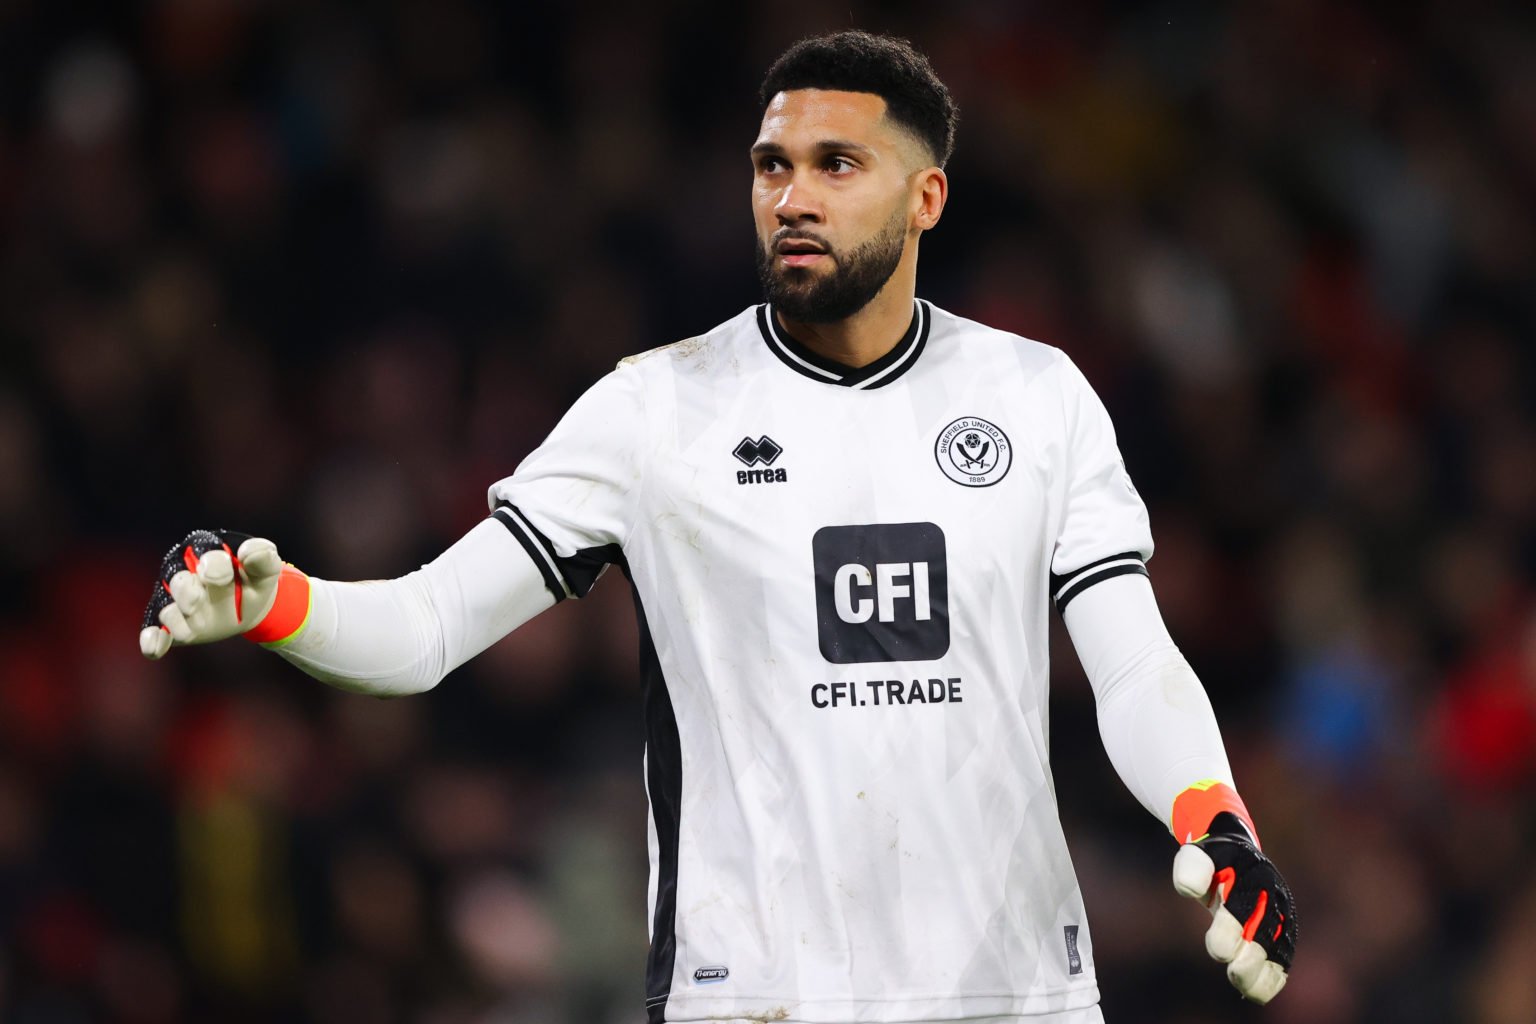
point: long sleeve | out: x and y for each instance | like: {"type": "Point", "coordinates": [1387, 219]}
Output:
{"type": "Point", "coordinates": [1154, 716]}
{"type": "Point", "coordinates": [393, 637]}
{"type": "Point", "coordinates": [556, 524]}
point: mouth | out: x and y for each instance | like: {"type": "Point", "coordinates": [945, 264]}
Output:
{"type": "Point", "coordinates": [800, 252]}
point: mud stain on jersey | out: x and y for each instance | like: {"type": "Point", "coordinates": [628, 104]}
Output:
{"type": "Point", "coordinates": [685, 349]}
{"type": "Point", "coordinates": [679, 528]}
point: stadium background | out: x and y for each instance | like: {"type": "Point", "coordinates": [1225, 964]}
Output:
{"type": "Point", "coordinates": [323, 270]}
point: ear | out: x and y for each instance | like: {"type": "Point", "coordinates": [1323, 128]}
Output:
{"type": "Point", "coordinates": [930, 190]}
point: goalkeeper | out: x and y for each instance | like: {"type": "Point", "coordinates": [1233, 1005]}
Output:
{"type": "Point", "coordinates": [847, 515]}
{"type": "Point", "coordinates": [390, 639]}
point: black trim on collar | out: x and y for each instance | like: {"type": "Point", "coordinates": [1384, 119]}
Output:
{"type": "Point", "coordinates": [901, 358]}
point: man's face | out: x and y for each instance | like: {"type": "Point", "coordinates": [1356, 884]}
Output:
{"type": "Point", "coordinates": [831, 197]}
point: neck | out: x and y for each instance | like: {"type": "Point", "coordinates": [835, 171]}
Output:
{"type": "Point", "coordinates": [871, 332]}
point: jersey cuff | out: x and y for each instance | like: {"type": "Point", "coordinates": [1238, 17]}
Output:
{"type": "Point", "coordinates": [565, 576]}
{"type": "Point", "coordinates": [1066, 586]}
{"type": "Point", "coordinates": [536, 544]}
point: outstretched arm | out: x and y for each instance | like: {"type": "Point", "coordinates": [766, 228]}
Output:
{"type": "Point", "coordinates": [391, 637]}
{"type": "Point", "coordinates": [384, 637]}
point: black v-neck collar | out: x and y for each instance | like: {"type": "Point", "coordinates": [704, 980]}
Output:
{"type": "Point", "coordinates": [901, 358]}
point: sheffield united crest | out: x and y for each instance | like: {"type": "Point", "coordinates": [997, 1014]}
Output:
{"type": "Point", "coordinates": [973, 452]}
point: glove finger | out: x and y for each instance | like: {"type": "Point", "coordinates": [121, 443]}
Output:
{"type": "Point", "coordinates": [154, 642]}
{"type": "Point", "coordinates": [1247, 967]}
{"type": "Point", "coordinates": [1270, 979]}
{"type": "Point", "coordinates": [216, 568]}
{"type": "Point", "coordinates": [217, 571]}
{"type": "Point", "coordinates": [1193, 871]}
{"type": "Point", "coordinates": [187, 591]}
{"type": "Point", "coordinates": [173, 620]}
{"type": "Point", "coordinates": [259, 559]}
{"type": "Point", "coordinates": [1224, 938]}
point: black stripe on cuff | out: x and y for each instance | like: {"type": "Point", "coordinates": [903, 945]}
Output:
{"type": "Point", "coordinates": [575, 574]}
{"type": "Point", "coordinates": [1098, 577]}
{"type": "Point", "coordinates": [544, 542]}
{"type": "Point", "coordinates": [1061, 579]}
{"type": "Point", "coordinates": [503, 515]}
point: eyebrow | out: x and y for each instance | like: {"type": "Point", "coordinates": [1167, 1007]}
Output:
{"type": "Point", "coordinates": [822, 147]}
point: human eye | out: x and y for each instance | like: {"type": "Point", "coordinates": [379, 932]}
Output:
{"type": "Point", "coordinates": [840, 164]}
{"type": "Point", "coordinates": [769, 164]}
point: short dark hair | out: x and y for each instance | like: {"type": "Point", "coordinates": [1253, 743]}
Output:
{"type": "Point", "coordinates": [891, 68]}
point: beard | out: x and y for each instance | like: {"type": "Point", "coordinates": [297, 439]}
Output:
{"type": "Point", "coordinates": [799, 294]}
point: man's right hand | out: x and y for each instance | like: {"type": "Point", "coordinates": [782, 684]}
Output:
{"type": "Point", "coordinates": [214, 585]}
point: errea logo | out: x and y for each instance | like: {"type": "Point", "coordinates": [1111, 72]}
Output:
{"type": "Point", "coordinates": [765, 450]}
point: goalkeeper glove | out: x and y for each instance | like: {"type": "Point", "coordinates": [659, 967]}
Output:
{"type": "Point", "coordinates": [1253, 915]}
{"type": "Point", "coordinates": [217, 584]}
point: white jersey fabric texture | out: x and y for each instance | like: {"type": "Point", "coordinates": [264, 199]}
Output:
{"type": "Point", "coordinates": [844, 580]}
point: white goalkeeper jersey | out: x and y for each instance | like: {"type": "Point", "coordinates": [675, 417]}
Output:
{"type": "Point", "coordinates": [843, 579]}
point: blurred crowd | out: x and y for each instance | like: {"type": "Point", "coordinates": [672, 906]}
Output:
{"type": "Point", "coordinates": [323, 270]}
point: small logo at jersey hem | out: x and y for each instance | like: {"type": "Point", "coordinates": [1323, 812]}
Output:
{"type": "Point", "coordinates": [1074, 958]}
{"type": "Point", "coordinates": [711, 975]}
{"type": "Point", "coordinates": [973, 452]}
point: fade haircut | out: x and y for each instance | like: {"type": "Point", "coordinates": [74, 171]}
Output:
{"type": "Point", "coordinates": [891, 68]}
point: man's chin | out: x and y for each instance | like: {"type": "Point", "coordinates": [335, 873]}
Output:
{"type": "Point", "coordinates": [803, 278]}
{"type": "Point", "coordinates": [801, 303]}
{"type": "Point", "coordinates": [797, 289]}
{"type": "Point", "coordinates": [809, 312]}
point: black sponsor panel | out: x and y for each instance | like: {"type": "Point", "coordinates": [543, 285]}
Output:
{"type": "Point", "coordinates": [882, 592]}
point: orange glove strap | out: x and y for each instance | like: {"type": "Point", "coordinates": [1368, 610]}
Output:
{"type": "Point", "coordinates": [289, 614]}
{"type": "Point", "coordinates": [1194, 809]}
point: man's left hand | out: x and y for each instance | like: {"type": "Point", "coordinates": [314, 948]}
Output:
{"type": "Point", "coordinates": [1253, 926]}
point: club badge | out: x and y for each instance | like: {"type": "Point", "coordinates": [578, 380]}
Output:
{"type": "Point", "coordinates": [973, 452]}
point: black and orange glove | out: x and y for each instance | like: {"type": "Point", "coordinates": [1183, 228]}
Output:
{"type": "Point", "coordinates": [1253, 915]}
{"type": "Point", "coordinates": [218, 584]}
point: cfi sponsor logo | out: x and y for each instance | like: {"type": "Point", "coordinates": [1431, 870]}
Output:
{"type": "Point", "coordinates": [882, 592]}
{"type": "Point", "coordinates": [973, 452]}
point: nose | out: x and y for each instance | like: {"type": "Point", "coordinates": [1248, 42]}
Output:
{"type": "Point", "coordinates": [797, 204]}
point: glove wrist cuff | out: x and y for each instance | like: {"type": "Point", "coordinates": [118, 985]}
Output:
{"type": "Point", "coordinates": [289, 613]}
{"type": "Point", "coordinates": [1196, 807]}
